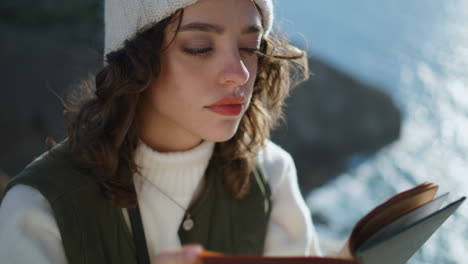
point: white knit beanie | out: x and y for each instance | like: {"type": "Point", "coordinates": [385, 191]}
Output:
{"type": "Point", "coordinates": [124, 18]}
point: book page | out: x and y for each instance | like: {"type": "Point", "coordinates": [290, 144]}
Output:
{"type": "Point", "coordinates": [405, 221]}
{"type": "Point", "coordinates": [390, 210]}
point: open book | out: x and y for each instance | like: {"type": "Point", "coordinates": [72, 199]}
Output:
{"type": "Point", "coordinates": [390, 234]}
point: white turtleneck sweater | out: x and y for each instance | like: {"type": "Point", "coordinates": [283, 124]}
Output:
{"type": "Point", "coordinates": [29, 232]}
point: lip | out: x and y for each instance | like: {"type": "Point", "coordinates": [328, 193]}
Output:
{"type": "Point", "coordinates": [228, 106]}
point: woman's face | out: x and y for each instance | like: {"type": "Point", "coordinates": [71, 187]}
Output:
{"type": "Point", "coordinates": [206, 78]}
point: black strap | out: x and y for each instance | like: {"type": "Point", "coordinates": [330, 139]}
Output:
{"type": "Point", "coordinates": [138, 236]}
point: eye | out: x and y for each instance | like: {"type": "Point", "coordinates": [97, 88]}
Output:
{"type": "Point", "coordinates": [251, 51]}
{"type": "Point", "coordinates": [198, 52]}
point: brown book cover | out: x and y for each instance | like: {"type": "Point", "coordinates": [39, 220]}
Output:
{"type": "Point", "coordinates": [273, 260]}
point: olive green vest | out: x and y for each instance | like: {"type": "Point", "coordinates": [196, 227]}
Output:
{"type": "Point", "coordinates": [94, 231]}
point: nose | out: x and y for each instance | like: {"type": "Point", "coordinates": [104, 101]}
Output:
{"type": "Point", "coordinates": [234, 70]}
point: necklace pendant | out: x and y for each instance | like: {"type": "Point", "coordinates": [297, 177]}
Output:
{"type": "Point", "coordinates": [188, 223]}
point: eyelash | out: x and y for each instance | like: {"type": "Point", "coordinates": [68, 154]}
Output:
{"type": "Point", "coordinates": [206, 51]}
{"type": "Point", "coordinates": [197, 52]}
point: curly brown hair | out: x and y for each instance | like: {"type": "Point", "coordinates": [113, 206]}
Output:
{"type": "Point", "coordinates": [101, 114]}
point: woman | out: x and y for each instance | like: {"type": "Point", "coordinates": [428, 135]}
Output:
{"type": "Point", "coordinates": [171, 148]}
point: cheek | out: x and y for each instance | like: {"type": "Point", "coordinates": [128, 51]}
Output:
{"type": "Point", "coordinates": [190, 75]}
{"type": "Point", "coordinates": [251, 63]}
{"type": "Point", "coordinates": [177, 77]}
{"type": "Point", "coordinates": [180, 89]}
{"type": "Point", "coordinates": [253, 70]}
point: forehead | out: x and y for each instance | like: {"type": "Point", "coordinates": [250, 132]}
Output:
{"type": "Point", "coordinates": [228, 13]}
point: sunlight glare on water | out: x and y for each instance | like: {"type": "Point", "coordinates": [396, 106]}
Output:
{"type": "Point", "coordinates": [417, 51]}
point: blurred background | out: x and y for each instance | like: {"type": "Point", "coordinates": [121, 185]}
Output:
{"type": "Point", "coordinates": [385, 109]}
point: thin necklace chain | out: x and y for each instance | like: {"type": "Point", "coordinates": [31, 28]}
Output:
{"type": "Point", "coordinates": [165, 194]}
{"type": "Point", "coordinates": [188, 222]}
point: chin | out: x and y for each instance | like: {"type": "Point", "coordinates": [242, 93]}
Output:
{"type": "Point", "coordinates": [220, 137]}
{"type": "Point", "coordinates": [219, 131]}
{"type": "Point", "coordinates": [222, 134]}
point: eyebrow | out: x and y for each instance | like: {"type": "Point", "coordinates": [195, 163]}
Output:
{"type": "Point", "coordinates": [212, 28]}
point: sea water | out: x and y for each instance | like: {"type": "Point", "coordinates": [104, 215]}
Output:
{"type": "Point", "coordinates": [417, 51]}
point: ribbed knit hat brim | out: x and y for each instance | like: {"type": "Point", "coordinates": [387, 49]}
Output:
{"type": "Point", "coordinates": [124, 18]}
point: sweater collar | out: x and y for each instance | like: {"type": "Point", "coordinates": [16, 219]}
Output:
{"type": "Point", "coordinates": [156, 165]}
